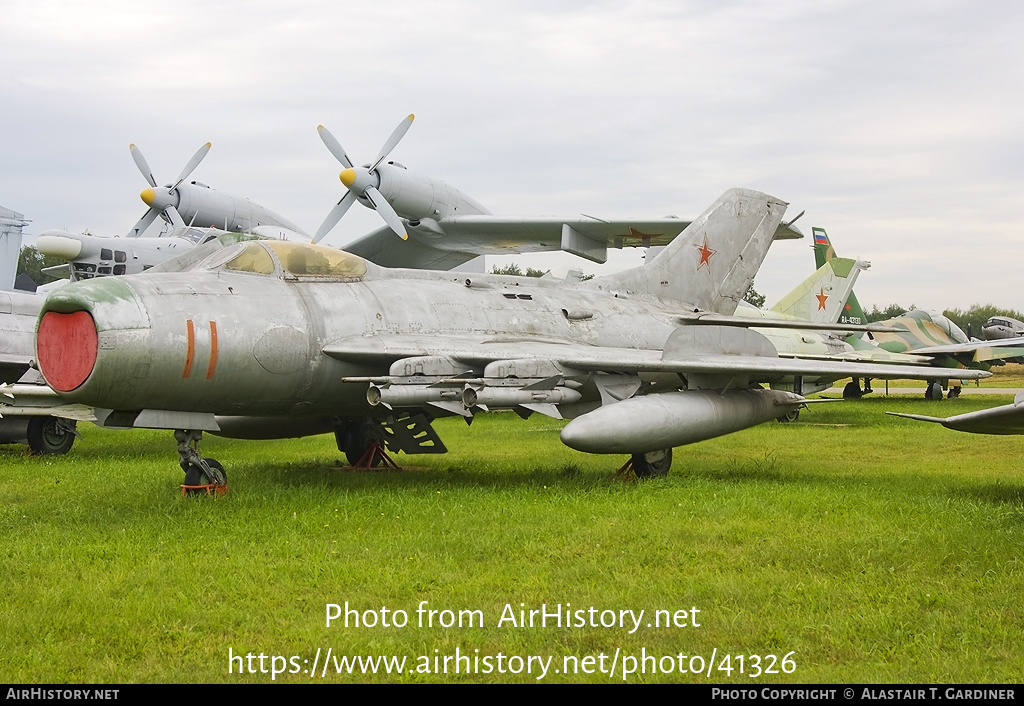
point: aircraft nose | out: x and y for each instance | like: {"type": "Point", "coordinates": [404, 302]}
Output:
{"type": "Point", "coordinates": [348, 178]}
{"type": "Point", "coordinates": [66, 346]}
{"type": "Point", "coordinates": [148, 195]}
{"type": "Point", "coordinates": [90, 335]}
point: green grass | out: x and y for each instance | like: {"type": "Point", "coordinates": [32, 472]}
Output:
{"type": "Point", "coordinates": [876, 549]}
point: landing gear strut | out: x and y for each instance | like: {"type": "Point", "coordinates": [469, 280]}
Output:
{"type": "Point", "coordinates": [362, 444]}
{"type": "Point", "coordinates": [202, 475]}
{"type": "Point", "coordinates": [653, 464]}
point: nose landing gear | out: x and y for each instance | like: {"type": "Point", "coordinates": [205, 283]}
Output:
{"type": "Point", "coordinates": [202, 475]}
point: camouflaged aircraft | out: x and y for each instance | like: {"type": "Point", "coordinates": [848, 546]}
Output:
{"type": "Point", "coordinates": [928, 334]}
{"type": "Point", "coordinates": [270, 339]}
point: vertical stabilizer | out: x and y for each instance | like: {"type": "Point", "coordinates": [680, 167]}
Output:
{"type": "Point", "coordinates": [822, 296]}
{"type": "Point", "coordinates": [11, 223]}
{"type": "Point", "coordinates": [711, 264]}
{"type": "Point", "coordinates": [823, 252]}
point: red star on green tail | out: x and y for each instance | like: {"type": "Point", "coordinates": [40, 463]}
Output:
{"type": "Point", "coordinates": [705, 254]}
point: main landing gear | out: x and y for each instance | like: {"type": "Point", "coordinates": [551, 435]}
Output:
{"type": "Point", "coordinates": [362, 444]}
{"type": "Point", "coordinates": [933, 391]}
{"type": "Point", "coordinates": [50, 435]}
{"type": "Point", "coordinates": [653, 464]}
{"type": "Point", "coordinates": [202, 475]}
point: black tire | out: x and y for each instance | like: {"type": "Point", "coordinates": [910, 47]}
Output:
{"type": "Point", "coordinates": [49, 435]}
{"type": "Point", "coordinates": [359, 436]}
{"type": "Point", "coordinates": [195, 475]}
{"type": "Point", "coordinates": [933, 391]}
{"type": "Point", "coordinates": [953, 393]}
{"type": "Point", "coordinates": [791, 416]}
{"type": "Point", "coordinates": [654, 464]}
{"type": "Point", "coordinates": [852, 391]}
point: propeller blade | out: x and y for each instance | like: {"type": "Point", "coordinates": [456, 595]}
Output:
{"type": "Point", "coordinates": [334, 216]}
{"type": "Point", "coordinates": [192, 164]}
{"type": "Point", "coordinates": [396, 136]}
{"type": "Point", "coordinates": [142, 164]}
{"type": "Point", "coordinates": [145, 222]}
{"type": "Point", "coordinates": [381, 206]}
{"type": "Point", "coordinates": [334, 146]}
{"type": "Point", "coordinates": [171, 213]}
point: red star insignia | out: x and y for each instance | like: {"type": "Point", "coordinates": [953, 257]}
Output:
{"type": "Point", "coordinates": [822, 298]}
{"type": "Point", "coordinates": [705, 254]}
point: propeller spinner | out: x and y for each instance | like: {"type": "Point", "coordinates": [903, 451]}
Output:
{"type": "Point", "coordinates": [163, 200]}
{"type": "Point", "coordinates": [362, 183]}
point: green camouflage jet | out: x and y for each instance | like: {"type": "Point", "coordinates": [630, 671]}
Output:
{"type": "Point", "coordinates": [919, 333]}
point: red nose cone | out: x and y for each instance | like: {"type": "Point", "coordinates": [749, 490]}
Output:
{"type": "Point", "coordinates": [66, 346]}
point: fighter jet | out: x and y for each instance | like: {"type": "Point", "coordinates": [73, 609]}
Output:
{"type": "Point", "coordinates": [920, 333]}
{"type": "Point", "coordinates": [270, 339]}
{"type": "Point", "coordinates": [439, 227]}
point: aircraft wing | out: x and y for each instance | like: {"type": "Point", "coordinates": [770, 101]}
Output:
{"type": "Point", "coordinates": [1008, 419]}
{"type": "Point", "coordinates": [448, 242]}
{"type": "Point", "coordinates": [980, 350]}
{"type": "Point", "coordinates": [680, 356]}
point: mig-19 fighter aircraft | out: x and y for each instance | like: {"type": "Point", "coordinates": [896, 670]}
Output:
{"type": "Point", "coordinates": [270, 339]}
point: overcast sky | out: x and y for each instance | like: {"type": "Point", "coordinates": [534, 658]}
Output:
{"type": "Point", "coordinates": [897, 125]}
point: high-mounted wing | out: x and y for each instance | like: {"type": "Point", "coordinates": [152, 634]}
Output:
{"type": "Point", "coordinates": [450, 242]}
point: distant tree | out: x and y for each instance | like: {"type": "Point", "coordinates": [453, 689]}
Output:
{"type": "Point", "coordinates": [753, 296]}
{"type": "Point", "coordinates": [32, 262]}
{"type": "Point", "coordinates": [889, 312]}
{"type": "Point", "coordinates": [974, 318]}
{"type": "Point", "coordinates": [514, 270]}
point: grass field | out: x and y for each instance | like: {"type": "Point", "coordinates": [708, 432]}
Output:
{"type": "Point", "coordinates": [866, 548]}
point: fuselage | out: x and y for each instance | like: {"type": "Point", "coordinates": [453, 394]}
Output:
{"type": "Point", "coordinates": [244, 333]}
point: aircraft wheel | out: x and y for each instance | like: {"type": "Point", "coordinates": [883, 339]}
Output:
{"type": "Point", "coordinates": [359, 436]}
{"type": "Point", "coordinates": [195, 475]}
{"type": "Point", "coordinates": [50, 435]}
{"type": "Point", "coordinates": [934, 391]}
{"type": "Point", "coordinates": [953, 393]}
{"type": "Point", "coordinates": [653, 464]}
{"type": "Point", "coordinates": [790, 416]}
{"type": "Point", "coordinates": [852, 391]}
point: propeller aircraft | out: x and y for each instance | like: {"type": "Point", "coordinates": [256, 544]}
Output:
{"type": "Point", "coordinates": [271, 339]}
{"type": "Point", "coordinates": [439, 227]}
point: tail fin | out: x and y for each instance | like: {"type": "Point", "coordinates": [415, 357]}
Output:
{"type": "Point", "coordinates": [711, 264]}
{"type": "Point", "coordinates": [823, 252]}
{"type": "Point", "coordinates": [821, 297]}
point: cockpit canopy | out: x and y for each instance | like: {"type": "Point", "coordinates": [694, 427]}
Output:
{"type": "Point", "coordinates": [289, 260]}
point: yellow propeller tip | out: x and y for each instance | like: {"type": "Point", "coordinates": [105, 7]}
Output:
{"type": "Point", "coordinates": [412, 116]}
{"type": "Point", "coordinates": [405, 236]}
